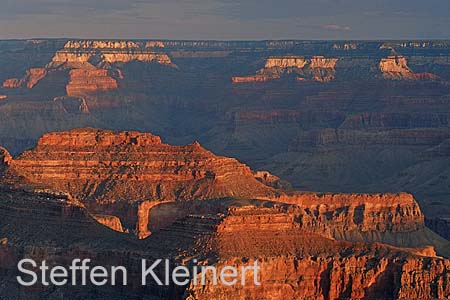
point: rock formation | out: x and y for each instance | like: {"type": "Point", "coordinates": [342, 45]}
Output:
{"type": "Point", "coordinates": [357, 133]}
{"type": "Point", "coordinates": [102, 53]}
{"type": "Point", "coordinates": [31, 78]}
{"type": "Point", "coordinates": [88, 62]}
{"type": "Point", "coordinates": [396, 68]}
{"type": "Point", "coordinates": [321, 246]}
{"type": "Point", "coordinates": [107, 170]}
{"type": "Point", "coordinates": [83, 82]}
{"type": "Point", "coordinates": [317, 68]}
{"type": "Point", "coordinates": [297, 264]}
{"type": "Point", "coordinates": [112, 222]}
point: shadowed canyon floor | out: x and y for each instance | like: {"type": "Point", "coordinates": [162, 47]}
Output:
{"type": "Point", "coordinates": [363, 124]}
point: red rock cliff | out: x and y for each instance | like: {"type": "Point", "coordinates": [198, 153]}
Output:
{"type": "Point", "coordinates": [107, 170]}
{"type": "Point", "coordinates": [84, 82]}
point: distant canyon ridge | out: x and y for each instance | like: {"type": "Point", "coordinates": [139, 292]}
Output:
{"type": "Point", "coordinates": [327, 161]}
{"type": "Point", "coordinates": [340, 116]}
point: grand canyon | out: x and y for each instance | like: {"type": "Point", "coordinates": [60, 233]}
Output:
{"type": "Point", "coordinates": [326, 161]}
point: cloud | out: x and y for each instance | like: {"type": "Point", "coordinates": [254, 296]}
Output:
{"type": "Point", "coordinates": [337, 27]}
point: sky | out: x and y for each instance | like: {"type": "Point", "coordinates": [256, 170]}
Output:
{"type": "Point", "coordinates": [226, 19]}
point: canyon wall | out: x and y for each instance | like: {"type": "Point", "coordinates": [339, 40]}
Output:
{"type": "Point", "coordinates": [113, 169]}
{"type": "Point", "coordinates": [297, 264]}
{"type": "Point", "coordinates": [317, 68]}
{"type": "Point", "coordinates": [31, 78]}
{"type": "Point", "coordinates": [396, 68]}
{"type": "Point", "coordinates": [83, 82]}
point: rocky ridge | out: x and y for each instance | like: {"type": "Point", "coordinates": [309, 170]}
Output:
{"type": "Point", "coordinates": [321, 246]}
{"type": "Point", "coordinates": [116, 172]}
{"type": "Point", "coordinates": [317, 68]}
{"type": "Point", "coordinates": [88, 63]}
{"type": "Point", "coordinates": [395, 67]}
{"type": "Point", "coordinates": [297, 264]}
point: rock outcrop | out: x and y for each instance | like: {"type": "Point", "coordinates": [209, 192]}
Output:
{"type": "Point", "coordinates": [297, 264]}
{"type": "Point", "coordinates": [309, 245]}
{"type": "Point", "coordinates": [396, 68]}
{"type": "Point", "coordinates": [103, 53]}
{"type": "Point", "coordinates": [272, 180]}
{"type": "Point", "coordinates": [109, 171]}
{"type": "Point", "coordinates": [316, 68]}
{"type": "Point", "coordinates": [83, 82]}
{"type": "Point", "coordinates": [31, 78]}
{"type": "Point", "coordinates": [112, 222]}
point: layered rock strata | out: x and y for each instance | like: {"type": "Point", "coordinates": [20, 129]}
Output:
{"type": "Point", "coordinates": [396, 68]}
{"type": "Point", "coordinates": [316, 68]}
{"type": "Point", "coordinates": [31, 78]}
{"type": "Point", "coordinates": [83, 82]}
{"type": "Point", "coordinates": [99, 53]}
{"type": "Point", "coordinates": [111, 172]}
{"type": "Point", "coordinates": [296, 264]}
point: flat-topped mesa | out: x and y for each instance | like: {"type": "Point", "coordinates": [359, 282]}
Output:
{"type": "Point", "coordinates": [395, 67]}
{"type": "Point", "coordinates": [31, 78]}
{"type": "Point", "coordinates": [343, 214]}
{"type": "Point", "coordinates": [387, 218]}
{"type": "Point", "coordinates": [83, 82]}
{"type": "Point", "coordinates": [89, 137]}
{"type": "Point", "coordinates": [316, 68]}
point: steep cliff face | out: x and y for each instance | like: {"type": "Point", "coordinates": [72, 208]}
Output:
{"type": "Point", "coordinates": [396, 68]}
{"type": "Point", "coordinates": [112, 222]}
{"type": "Point", "coordinates": [317, 68]}
{"type": "Point", "coordinates": [297, 264]}
{"type": "Point", "coordinates": [88, 62]}
{"type": "Point", "coordinates": [102, 53]}
{"type": "Point", "coordinates": [83, 82]}
{"type": "Point", "coordinates": [31, 78]}
{"type": "Point", "coordinates": [387, 218]}
{"type": "Point", "coordinates": [285, 62]}
{"type": "Point", "coordinates": [53, 227]}
{"type": "Point", "coordinates": [109, 170]}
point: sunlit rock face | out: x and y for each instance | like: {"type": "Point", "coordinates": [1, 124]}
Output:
{"type": "Point", "coordinates": [31, 78]}
{"type": "Point", "coordinates": [368, 129]}
{"type": "Point", "coordinates": [396, 68]}
{"type": "Point", "coordinates": [298, 264]}
{"type": "Point", "coordinates": [113, 172]}
{"type": "Point", "coordinates": [83, 82]}
{"type": "Point", "coordinates": [305, 242]}
{"type": "Point", "coordinates": [99, 53]}
{"type": "Point", "coordinates": [316, 68]}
